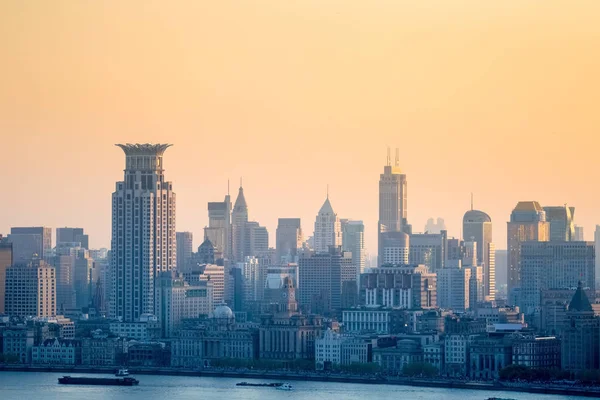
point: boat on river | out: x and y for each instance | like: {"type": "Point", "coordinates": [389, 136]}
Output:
{"type": "Point", "coordinates": [85, 380]}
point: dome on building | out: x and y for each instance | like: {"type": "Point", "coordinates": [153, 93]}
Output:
{"type": "Point", "coordinates": [222, 312]}
{"type": "Point", "coordinates": [476, 216]}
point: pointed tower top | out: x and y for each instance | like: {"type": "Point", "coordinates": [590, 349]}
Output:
{"type": "Point", "coordinates": [397, 162]}
{"type": "Point", "coordinates": [240, 202]}
{"type": "Point", "coordinates": [472, 201]}
{"type": "Point", "coordinates": [389, 158]}
{"type": "Point", "coordinates": [326, 208]}
{"type": "Point", "coordinates": [580, 301]}
{"type": "Point", "coordinates": [241, 182]}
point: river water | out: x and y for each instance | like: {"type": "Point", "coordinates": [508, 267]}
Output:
{"type": "Point", "coordinates": [44, 385]}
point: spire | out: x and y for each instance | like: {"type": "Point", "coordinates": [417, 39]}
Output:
{"type": "Point", "coordinates": [397, 163]}
{"type": "Point", "coordinates": [241, 183]}
{"type": "Point", "coordinates": [389, 158]}
{"type": "Point", "coordinates": [240, 202]}
{"type": "Point", "coordinates": [328, 190]}
{"type": "Point", "coordinates": [471, 201]}
{"type": "Point", "coordinates": [227, 187]}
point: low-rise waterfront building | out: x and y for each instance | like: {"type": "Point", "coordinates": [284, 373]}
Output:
{"type": "Point", "coordinates": [57, 352]}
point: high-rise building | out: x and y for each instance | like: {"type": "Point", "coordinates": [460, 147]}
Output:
{"type": "Point", "coordinates": [322, 277]}
{"type": "Point", "coordinates": [395, 248]}
{"type": "Point", "coordinates": [393, 199]}
{"type": "Point", "coordinates": [143, 231]}
{"type": "Point", "coordinates": [561, 220]}
{"type": "Point", "coordinates": [218, 230]}
{"type": "Point", "coordinates": [406, 287]}
{"type": "Point", "coordinates": [185, 244]}
{"type": "Point", "coordinates": [205, 255]}
{"type": "Point", "coordinates": [477, 227]}
{"type": "Point", "coordinates": [30, 290]}
{"type": "Point", "coordinates": [428, 249]}
{"type": "Point", "coordinates": [239, 227]}
{"type": "Point", "coordinates": [554, 265]}
{"type": "Point", "coordinates": [6, 260]}
{"type": "Point", "coordinates": [435, 226]}
{"type": "Point", "coordinates": [83, 278]}
{"type": "Point", "coordinates": [257, 239]}
{"type": "Point", "coordinates": [353, 240]}
{"type": "Point", "coordinates": [251, 279]}
{"type": "Point", "coordinates": [579, 234]}
{"type": "Point", "coordinates": [527, 223]}
{"type": "Point", "coordinates": [29, 242]}
{"type": "Point", "coordinates": [288, 239]}
{"type": "Point", "coordinates": [72, 235]}
{"type": "Point", "coordinates": [453, 284]}
{"type": "Point", "coordinates": [177, 300]}
{"type": "Point", "coordinates": [328, 229]}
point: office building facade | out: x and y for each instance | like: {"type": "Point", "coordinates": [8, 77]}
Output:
{"type": "Point", "coordinates": [143, 231]}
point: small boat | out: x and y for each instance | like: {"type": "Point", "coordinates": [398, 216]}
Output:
{"type": "Point", "coordinates": [285, 386]}
{"type": "Point", "coordinates": [258, 384]}
{"type": "Point", "coordinates": [122, 372]}
{"type": "Point", "coordinates": [84, 380]}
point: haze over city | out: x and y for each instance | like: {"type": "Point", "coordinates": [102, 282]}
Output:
{"type": "Point", "coordinates": [494, 99]}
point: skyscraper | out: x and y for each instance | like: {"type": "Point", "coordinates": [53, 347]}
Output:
{"type": "Point", "coordinates": [322, 277]}
{"type": "Point", "coordinates": [218, 230]}
{"type": "Point", "coordinates": [30, 241]}
{"type": "Point", "coordinates": [477, 227]}
{"type": "Point", "coordinates": [395, 248]}
{"type": "Point", "coordinates": [6, 260]}
{"type": "Point", "coordinates": [527, 223]}
{"type": "Point", "coordinates": [353, 240]}
{"type": "Point", "coordinates": [72, 235]}
{"type": "Point", "coordinates": [429, 249]}
{"type": "Point", "coordinates": [185, 244]}
{"type": "Point", "coordinates": [554, 265]}
{"type": "Point", "coordinates": [288, 238]}
{"type": "Point", "coordinates": [239, 229]}
{"type": "Point", "coordinates": [31, 290]}
{"type": "Point", "coordinates": [328, 229]}
{"type": "Point", "coordinates": [562, 227]}
{"type": "Point", "coordinates": [143, 231]}
{"type": "Point", "coordinates": [393, 199]}
{"type": "Point", "coordinates": [579, 235]}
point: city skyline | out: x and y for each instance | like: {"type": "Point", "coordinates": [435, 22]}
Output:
{"type": "Point", "coordinates": [307, 223]}
{"type": "Point", "coordinates": [321, 88]}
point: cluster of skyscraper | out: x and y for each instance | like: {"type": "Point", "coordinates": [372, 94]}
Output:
{"type": "Point", "coordinates": [152, 272]}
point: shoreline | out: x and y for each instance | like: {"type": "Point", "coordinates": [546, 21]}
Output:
{"type": "Point", "coordinates": [282, 375]}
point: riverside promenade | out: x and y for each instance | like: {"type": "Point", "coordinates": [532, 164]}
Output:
{"type": "Point", "coordinates": [283, 375]}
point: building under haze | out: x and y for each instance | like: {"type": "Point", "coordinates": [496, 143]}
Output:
{"type": "Point", "coordinates": [428, 249]}
{"type": "Point", "coordinates": [185, 245]}
{"type": "Point", "coordinates": [597, 244]}
{"type": "Point", "coordinates": [477, 227]}
{"type": "Point", "coordinates": [239, 228]}
{"type": "Point", "coordinates": [579, 234]}
{"type": "Point", "coordinates": [561, 220]}
{"type": "Point", "coordinates": [29, 242]}
{"type": "Point", "coordinates": [353, 240]}
{"type": "Point", "coordinates": [527, 223]}
{"type": "Point", "coordinates": [6, 261]}
{"type": "Point", "coordinates": [218, 230]}
{"type": "Point", "coordinates": [554, 265]}
{"type": "Point", "coordinates": [31, 290]}
{"type": "Point", "coordinates": [393, 199]}
{"type": "Point", "coordinates": [395, 248]}
{"type": "Point", "coordinates": [322, 279]}
{"type": "Point", "coordinates": [288, 239]}
{"type": "Point", "coordinates": [72, 235]}
{"type": "Point", "coordinates": [328, 229]}
{"type": "Point", "coordinates": [143, 231]}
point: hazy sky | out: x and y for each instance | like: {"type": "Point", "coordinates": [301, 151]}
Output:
{"type": "Point", "coordinates": [499, 98]}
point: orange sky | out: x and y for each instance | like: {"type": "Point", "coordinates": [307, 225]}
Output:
{"type": "Point", "coordinates": [498, 98]}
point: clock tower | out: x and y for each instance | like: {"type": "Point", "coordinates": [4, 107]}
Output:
{"type": "Point", "coordinates": [287, 301]}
